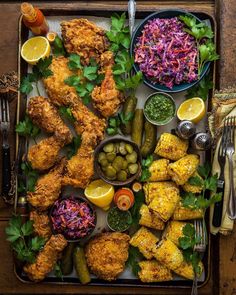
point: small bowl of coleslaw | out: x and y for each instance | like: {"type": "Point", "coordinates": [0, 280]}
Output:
{"type": "Point", "coordinates": [165, 53]}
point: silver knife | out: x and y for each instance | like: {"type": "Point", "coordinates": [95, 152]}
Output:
{"type": "Point", "coordinates": [131, 12]}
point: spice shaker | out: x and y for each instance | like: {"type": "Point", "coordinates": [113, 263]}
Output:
{"type": "Point", "coordinates": [202, 141]}
{"type": "Point", "coordinates": [185, 129]}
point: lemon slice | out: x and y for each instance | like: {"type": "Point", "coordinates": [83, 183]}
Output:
{"type": "Point", "coordinates": [192, 109]}
{"type": "Point", "coordinates": [100, 193]}
{"type": "Point", "coordinates": [34, 49]}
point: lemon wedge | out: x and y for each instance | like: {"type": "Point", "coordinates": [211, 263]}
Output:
{"type": "Point", "coordinates": [192, 109]}
{"type": "Point", "coordinates": [34, 49]}
{"type": "Point", "coordinates": [100, 193]}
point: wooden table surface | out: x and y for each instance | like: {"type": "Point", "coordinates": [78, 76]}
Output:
{"type": "Point", "coordinates": [223, 276]}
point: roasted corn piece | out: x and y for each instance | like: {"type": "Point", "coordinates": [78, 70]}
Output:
{"type": "Point", "coordinates": [182, 213]}
{"type": "Point", "coordinates": [145, 241]}
{"type": "Point", "coordinates": [168, 254]}
{"type": "Point", "coordinates": [195, 189]}
{"type": "Point", "coordinates": [174, 231]}
{"type": "Point", "coordinates": [181, 170]}
{"type": "Point", "coordinates": [153, 271]}
{"type": "Point", "coordinates": [150, 219]}
{"type": "Point", "coordinates": [158, 170]}
{"type": "Point", "coordinates": [186, 270]}
{"type": "Point", "coordinates": [165, 200]}
{"type": "Point", "coordinates": [171, 147]}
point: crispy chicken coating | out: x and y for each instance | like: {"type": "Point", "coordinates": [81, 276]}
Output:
{"type": "Point", "coordinates": [84, 38]}
{"type": "Point", "coordinates": [106, 254]}
{"type": "Point", "coordinates": [44, 155]}
{"type": "Point", "coordinates": [41, 224]}
{"type": "Point", "coordinates": [55, 86]}
{"type": "Point", "coordinates": [44, 114]}
{"type": "Point", "coordinates": [48, 188]}
{"type": "Point", "coordinates": [46, 259]}
{"type": "Point", "coordinates": [107, 98]}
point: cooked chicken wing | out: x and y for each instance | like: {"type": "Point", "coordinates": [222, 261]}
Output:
{"type": "Point", "coordinates": [44, 114]}
{"type": "Point", "coordinates": [55, 86]}
{"type": "Point", "coordinates": [44, 155]}
{"type": "Point", "coordinates": [48, 188]}
{"type": "Point", "coordinates": [84, 38]}
{"type": "Point", "coordinates": [41, 224]}
{"type": "Point", "coordinates": [46, 259]}
{"type": "Point", "coordinates": [106, 254]}
{"type": "Point", "coordinates": [107, 98]}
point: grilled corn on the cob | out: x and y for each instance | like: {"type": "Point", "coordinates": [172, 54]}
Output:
{"type": "Point", "coordinates": [149, 219]}
{"type": "Point", "coordinates": [168, 254]}
{"type": "Point", "coordinates": [181, 170]}
{"type": "Point", "coordinates": [174, 231]}
{"type": "Point", "coordinates": [195, 189]}
{"type": "Point", "coordinates": [145, 241]}
{"type": "Point", "coordinates": [165, 200]}
{"type": "Point", "coordinates": [153, 271]}
{"type": "Point", "coordinates": [158, 170]}
{"type": "Point", "coordinates": [182, 213]}
{"type": "Point", "coordinates": [186, 270]}
{"type": "Point", "coordinates": [171, 147]}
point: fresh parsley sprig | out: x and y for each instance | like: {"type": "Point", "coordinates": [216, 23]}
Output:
{"type": "Point", "coordinates": [208, 183]}
{"type": "Point", "coordinates": [31, 177]}
{"type": "Point", "coordinates": [135, 210]}
{"type": "Point", "coordinates": [203, 35]}
{"type": "Point", "coordinates": [58, 271]}
{"type": "Point", "coordinates": [19, 235]}
{"type": "Point", "coordinates": [73, 146]}
{"type": "Point", "coordinates": [66, 113]}
{"type": "Point", "coordinates": [201, 89]}
{"type": "Point", "coordinates": [134, 257]}
{"type": "Point", "coordinates": [146, 163]}
{"type": "Point", "coordinates": [114, 123]}
{"type": "Point", "coordinates": [39, 71]}
{"type": "Point", "coordinates": [58, 47]}
{"type": "Point", "coordinates": [27, 128]}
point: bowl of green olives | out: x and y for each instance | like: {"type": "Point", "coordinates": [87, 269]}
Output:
{"type": "Point", "coordinates": [118, 161]}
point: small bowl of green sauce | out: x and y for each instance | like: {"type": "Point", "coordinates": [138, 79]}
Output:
{"type": "Point", "coordinates": [118, 220]}
{"type": "Point", "coordinates": [159, 108]}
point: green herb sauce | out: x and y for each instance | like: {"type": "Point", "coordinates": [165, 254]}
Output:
{"type": "Point", "coordinates": [160, 109]}
{"type": "Point", "coordinates": [119, 220]}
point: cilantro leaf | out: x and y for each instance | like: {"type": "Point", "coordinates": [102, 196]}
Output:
{"type": "Point", "coordinates": [73, 146]}
{"type": "Point", "coordinates": [195, 180]}
{"type": "Point", "coordinates": [58, 47]}
{"type": "Point", "coordinates": [41, 69]}
{"type": "Point", "coordinates": [134, 257]}
{"type": "Point", "coordinates": [202, 88]}
{"type": "Point", "coordinates": [74, 62]}
{"type": "Point", "coordinates": [126, 118]}
{"type": "Point", "coordinates": [113, 125]}
{"type": "Point", "coordinates": [90, 73]}
{"type": "Point", "coordinates": [26, 83]}
{"type": "Point", "coordinates": [73, 80]}
{"type": "Point", "coordinates": [58, 271]}
{"type": "Point", "coordinates": [135, 210]}
{"type": "Point", "coordinates": [31, 176]}
{"type": "Point", "coordinates": [205, 170]}
{"type": "Point", "coordinates": [37, 243]}
{"type": "Point", "coordinates": [66, 113]}
{"type": "Point", "coordinates": [146, 163]}
{"type": "Point", "coordinates": [27, 128]}
{"type": "Point", "coordinates": [27, 228]}
{"type": "Point", "coordinates": [211, 183]}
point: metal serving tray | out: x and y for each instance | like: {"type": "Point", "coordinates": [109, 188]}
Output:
{"type": "Point", "coordinates": [21, 107]}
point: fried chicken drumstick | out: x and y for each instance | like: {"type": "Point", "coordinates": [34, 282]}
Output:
{"type": "Point", "coordinates": [41, 224]}
{"type": "Point", "coordinates": [48, 188]}
{"type": "Point", "coordinates": [46, 259]}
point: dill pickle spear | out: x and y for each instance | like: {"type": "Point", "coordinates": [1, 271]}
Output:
{"type": "Point", "coordinates": [81, 266]}
{"type": "Point", "coordinates": [150, 139]}
{"type": "Point", "coordinates": [67, 259]}
{"type": "Point", "coordinates": [128, 108]}
{"type": "Point", "coordinates": [137, 127]}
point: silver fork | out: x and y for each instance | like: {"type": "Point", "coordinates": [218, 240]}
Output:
{"type": "Point", "coordinates": [6, 162]}
{"type": "Point", "coordinates": [200, 231]}
{"type": "Point", "coordinates": [230, 149]}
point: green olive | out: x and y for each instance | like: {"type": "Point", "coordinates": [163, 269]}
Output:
{"type": "Point", "coordinates": [132, 158]}
{"type": "Point", "coordinates": [111, 156]}
{"type": "Point", "coordinates": [109, 148]}
{"type": "Point", "coordinates": [104, 162]}
{"type": "Point", "coordinates": [110, 172]}
{"type": "Point", "coordinates": [122, 175]}
{"type": "Point", "coordinates": [129, 148]}
{"type": "Point", "coordinates": [101, 156]}
{"type": "Point", "coordinates": [124, 164]}
{"type": "Point", "coordinates": [133, 168]}
{"type": "Point", "coordinates": [118, 163]}
{"type": "Point", "coordinates": [122, 149]}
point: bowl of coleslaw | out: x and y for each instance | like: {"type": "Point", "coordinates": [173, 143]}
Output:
{"type": "Point", "coordinates": [165, 53]}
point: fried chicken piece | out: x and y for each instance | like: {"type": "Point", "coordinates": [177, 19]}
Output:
{"type": "Point", "coordinates": [48, 187]}
{"type": "Point", "coordinates": [84, 38]}
{"type": "Point", "coordinates": [44, 114]}
{"type": "Point", "coordinates": [55, 86]}
{"type": "Point", "coordinates": [41, 224]}
{"type": "Point", "coordinates": [106, 254]}
{"type": "Point", "coordinates": [44, 155]}
{"type": "Point", "coordinates": [107, 98]}
{"type": "Point", "coordinates": [46, 259]}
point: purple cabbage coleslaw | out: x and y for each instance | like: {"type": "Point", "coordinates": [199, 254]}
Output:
{"type": "Point", "coordinates": [73, 218]}
{"type": "Point", "coordinates": [166, 54]}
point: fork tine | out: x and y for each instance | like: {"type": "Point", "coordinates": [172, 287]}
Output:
{"type": "Point", "coordinates": [225, 137]}
{"type": "Point", "coordinates": [4, 111]}
{"type": "Point", "coordinates": [1, 109]}
{"type": "Point", "coordinates": [234, 131]}
{"type": "Point", "coordinates": [7, 111]}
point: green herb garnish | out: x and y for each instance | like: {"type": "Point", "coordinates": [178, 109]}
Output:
{"type": "Point", "coordinates": [66, 113]}
{"type": "Point", "coordinates": [72, 147]}
{"type": "Point", "coordinates": [146, 163]}
{"type": "Point", "coordinates": [27, 128]}
{"type": "Point", "coordinates": [31, 178]}
{"type": "Point", "coordinates": [58, 271]}
{"type": "Point", "coordinates": [19, 234]}
{"type": "Point", "coordinates": [135, 210]}
{"type": "Point", "coordinates": [201, 89]}
{"type": "Point", "coordinates": [58, 47]}
{"type": "Point", "coordinates": [134, 257]}
{"type": "Point", "coordinates": [113, 127]}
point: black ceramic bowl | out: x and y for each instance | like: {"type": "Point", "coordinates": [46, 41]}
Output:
{"type": "Point", "coordinates": [138, 32]}
{"type": "Point", "coordinates": [79, 200]}
{"type": "Point", "coordinates": [97, 166]}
